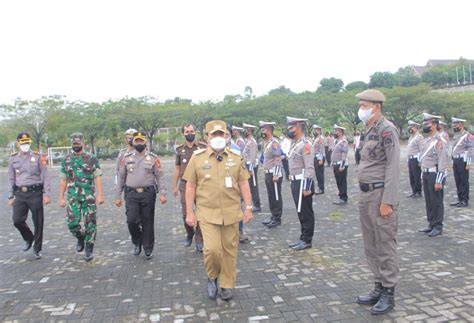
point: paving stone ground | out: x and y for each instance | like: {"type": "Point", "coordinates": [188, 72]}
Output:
{"type": "Point", "coordinates": [274, 283]}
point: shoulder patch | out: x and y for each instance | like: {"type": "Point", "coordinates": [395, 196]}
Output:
{"type": "Point", "coordinates": [44, 162]}
{"type": "Point", "coordinates": [387, 138]}
{"type": "Point", "coordinates": [199, 151]}
{"type": "Point", "coordinates": [157, 162]}
{"type": "Point", "coordinates": [307, 149]}
{"type": "Point", "coordinates": [469, 137]}
{"type": "Point", "coordinates": [440, 144]}
{"type": "Point", "coordinates": [275, 145]}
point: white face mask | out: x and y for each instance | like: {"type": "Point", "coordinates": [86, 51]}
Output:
{"type": "Point", "coordinates": [365, 115]}
{"type": "Point", "coordinates": [218, 143]}
{"type": "Point", "coordinates": [25, 148]}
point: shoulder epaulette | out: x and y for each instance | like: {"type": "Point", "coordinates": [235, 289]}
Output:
{"type": "Point", "coordinates": [180, 146]}
{"type": "Point", "coordinates": [128, 154]}
{"type": "Point", "coordinates": [199, 151]}
{"type": "Point", "coordinates": [202, 143]}
{"type": "Point", "coordinates": [153, 154]}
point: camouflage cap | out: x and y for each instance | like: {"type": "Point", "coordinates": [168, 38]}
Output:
{"type": "Point", "coordinates": [24, 138]}
{"type": "Point", "coordinates": [77, 138]}
{"type": "Point", "coordinates": [216, 125]}
{"type": "Point", "coordinates": [371, 95]}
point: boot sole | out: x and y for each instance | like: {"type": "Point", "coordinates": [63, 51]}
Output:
{"type": "Point", "coordinates": [384, 312]}
{"type": "Point", "coordinates": [366, 303]}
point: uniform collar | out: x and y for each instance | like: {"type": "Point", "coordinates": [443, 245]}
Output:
{"type": "Point", "coordinates": [211, 152]}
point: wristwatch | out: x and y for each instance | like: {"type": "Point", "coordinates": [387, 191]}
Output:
{"type": "Point", "coordinates": [249, 207]}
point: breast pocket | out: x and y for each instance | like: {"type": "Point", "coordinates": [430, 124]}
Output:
{"type": "Point", "coordinates": [87, 168]}
{"type": "Point", "coordinates": [148, 167]}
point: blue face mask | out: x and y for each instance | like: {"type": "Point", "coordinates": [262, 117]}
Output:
{"type": "Point", "coordinates": [291, 134]}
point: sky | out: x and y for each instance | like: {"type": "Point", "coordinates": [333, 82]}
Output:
{"type": "Point", "coordinates": [95, 50]}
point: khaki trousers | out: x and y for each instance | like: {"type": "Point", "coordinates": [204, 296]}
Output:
{"type": "Point", "coordinates": [220, 252]}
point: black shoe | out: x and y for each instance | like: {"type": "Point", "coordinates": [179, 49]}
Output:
{"type": "Point", "coordinates": [227, 294]}
{"type": "Point", "coordinates": [28, 245]}
{"type": "Point", "coordinates": [425, 230]}
{"type": "Point", "coordinates": [274, 224]}
{"type": "Point", "coordinates": [89, 252]}
{"type": "Point", "coordinates": [37, 254]}
{"type": "Point", "coordinates": [188, 242]}
{"type": "Point", "coordinates": [435, 232]}
{"type": "Point", "coordinates": [454, 203]}
{"type": "Point", "coordinates": [462, 204]}
{"type": "Point", "coordinates": [138, 249]}
{"type": "Point", "coordinates": [319, 191]}
{"type": "Point", "coordinates": [302, 246]}
{"type": "Point", "coordinates": [418, 195]}
{"type": "Point", "coordinates": [373, 296]}
{"type": "Point", "coordinates": [266, 222]}
{"type": "Point", "coordinates": [242, 237]}
{"type": "Point", "coordinates": [385, 303]}
{"type": "Point", "coordinates": [412, 195]}
{"type": "Point", "coordinates": [212, 288]}
{"type": "Point", "coordinates": [339, 202]}
{"type": "Point", "coordinates": [199, 247]}
{"type": "Point", "coordinates": [256, 209]}
{"type": "Point", "coordinates": [148, 255]}
{"type": "Point", "coordinates": [80, 244]}
{"type": "Point", "coordinates": [293, 244]}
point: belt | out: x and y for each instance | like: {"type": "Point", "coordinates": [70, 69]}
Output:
{"type": "Point", "coordinates": [429, 170]}
{"type": "Point", "coordinates": [366, 187]}
{"type": "Point", "coordinates": [129, 189]}
{"type": "Point", "coordinates": [457, 156]}
{"type": "Point", "coordinates": [29, 188]}
{"type": "Point", "coordinates": [296, 177]}
{"type": "Point", "coordinates": [268, 171]}
{"type": "Point", "coordinates": [413, 157]}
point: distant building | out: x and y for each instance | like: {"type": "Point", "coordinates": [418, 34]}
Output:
{"type": "Point", "coordinates": [419, 70]}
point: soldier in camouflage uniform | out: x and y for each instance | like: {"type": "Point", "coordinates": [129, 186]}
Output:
{"type": "Point", "coordinates": [81, 176]}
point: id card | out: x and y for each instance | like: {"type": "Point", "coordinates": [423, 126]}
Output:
{"type": "Point", "coordinates": [228, 182]}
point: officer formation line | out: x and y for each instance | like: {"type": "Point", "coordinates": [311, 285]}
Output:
{"type": "Point", "coordinates": [218, 188]}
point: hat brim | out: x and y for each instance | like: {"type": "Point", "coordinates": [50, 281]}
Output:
{"type": "Point", "coordinates": [25, 141]}
{"type": "Point", "coordinates": [217, 130]}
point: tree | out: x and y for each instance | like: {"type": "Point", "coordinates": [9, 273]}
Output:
{"type": "Point", "coordinates": [407, 77]}
{"type": "Point", "coordinates": [248, 92]}
{"type": "Point", "coordinates": [331, 85]}
{"type": "Point", "coordinates": [357, 86]}
{"type": "Point", "coordinates": [281, 90]}
{"type": "Point", "coordinates": [382, 79]}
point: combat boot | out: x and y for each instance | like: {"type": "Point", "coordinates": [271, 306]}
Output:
{"type": "Point", "coordinates": [89, 252]}
{"type": "Point", "coordinates": [386, 302]}
{"type": "Point", "coordinates": [80, 244]}
{"type": "Point", "coordinates": [373, 296]}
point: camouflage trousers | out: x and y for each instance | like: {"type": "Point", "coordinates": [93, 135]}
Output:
{"type": "Point", "coordinates": [79, 207]}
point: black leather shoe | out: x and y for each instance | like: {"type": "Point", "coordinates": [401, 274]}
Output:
{"type": "Point", "coordinates": [265, 222]}
{"type": "Point", "coordinates": [199, 247]}
{"type": "Point", "coordinates": [462, 204]}
{"type": "Point", "coordinates": [80, 244]}
{"type": "Point", "coordinates": [212, 288]}
{"type": "Point", "coordinates": [148, 255]}
{"type": "Point", "coordinates": [319, 191]}
{"type": "Point", "coordinates": [435, 232]}
{"type": "Point", "coordinates": [412, 195]}
{"type": "Point", "coordinates": [425, 230]}
{"type": "Point", "coordinates": [227, 294]}
{"type": "Point", "coordinates": [89, 252]}
{"type": "Point", "coordinates": [385, 303]}
{"type": "Point", "coordinates": [188, 242]}
{"type": "Point", "coordinates": [37, 254]}
{"type": "Point", "coordinates": [418, 195]}
{"type": "Point", "coordinates": [454, 203]}
{"type": "Point", "coordinates": [293, 244]}
{"type": "Point", "coordinates": [302, 246]}
{"type": "Point", "coordinates": [273, 224]}
{"type": "Point", "coordinates": [373, 296]}
{"type": "Point", "coordinates": [339, 202]}
{"type": "Point", "coordinates": [28, 245]}
{"type": "Point", "coordinates": [138, 249]}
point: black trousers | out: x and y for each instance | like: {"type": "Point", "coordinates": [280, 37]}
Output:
{"type": "Point", "coordinates": [286, 167]}
{"type": "Point", "coordinates": [276, 207]}
{"type": "Point", "coordinates": [434, 201]}
{"type": "Point", "coordinates": [140, 211]}
{"type": "Point", "coordinates": [24, 202]}
{"type": "Point", "coordinates": [319, 170]}
{"type": "Point", "coordinates": [357, 156]}
{"type": "Point", "coordinates": [414, 171]}
{"type": "Point", "coordinates": [306, 216]}
{"type": "Point", "coordinates": [461, 177]}
{"type": "Point", "coordinates": [341, 181]}
{"type": "Point", "coordinates": [254, 190]}
{"type": "Point", "coordinates": [328, 154]}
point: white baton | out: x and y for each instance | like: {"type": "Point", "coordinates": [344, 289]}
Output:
{"type": "Point", "coordinates": [253, 177]}
{"type": "Point", "coordinates": [276, 190]}
{"type": "Point", "coordinates": [301, 192]}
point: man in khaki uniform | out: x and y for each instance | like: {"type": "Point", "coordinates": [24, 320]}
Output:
{"type": "Point", "coordinates": [319, 158]}
{"type": "Point", "coordinates": [139, 175]}
{"type": "Point", "coordinates": [434, 164]}
{"type": "Point", "coordinates": [249, 155]}
{"type": "Point", "coordinates": [217, 179]}
{"type": "Point", "coordinates": [415, 145]}
{"type": "Point", "coordinates": [340, 163]}
{"type": "Point", "coordinates": [184, 153]}
{"type": "Point", "coordinates": [379, 177]}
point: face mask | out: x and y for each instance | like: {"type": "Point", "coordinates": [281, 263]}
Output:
{"type": "Point", "coordinates": [365, 115]}
{"type": "Point", "coordinates": [247, 133]}
{"type": "Point", "coordinates": [457, 129]}
{"type": "Point", "coordinates": [410, 131]}
{"type": "Point", "coordinates": [264, 135]}
{"type": "Point", "coordinates": [291, 134]}
{"type": "Point", "coordinates": [190, 137]}
{"type": "Point", "coordinates": [218, 143]}
{"type": "Point", "coordinates": [130, 142]}
{"type": "Point", "coordinates": [77, 149]}
{"type": "Point", "coordinates": [25, 148]}
{"type": "Point", "coordinates": [316, 134]}
{"type": "Point", "coordinates": [140, 147]}
{"type": "Point", "coordinates": [427, 129]}
{"type": "Point", "coordinates": [335, 135]}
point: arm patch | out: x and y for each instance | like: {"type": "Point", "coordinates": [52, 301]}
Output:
{"type": "Point", "coordinates": [387, 138]}
{"type": "Point", "coordinates": [307, 149]}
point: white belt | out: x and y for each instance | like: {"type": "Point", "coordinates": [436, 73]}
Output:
{"type": "Point", "coordinates": [296, 177]}
{"type": "Point", "coordinates": [429, 170]}
{"type": "Point", "coordinates": [269, 171]}
{"type": "Point", "coordinates": [413, 157]}
{"type": "Point", "coordinates": [458, 156]}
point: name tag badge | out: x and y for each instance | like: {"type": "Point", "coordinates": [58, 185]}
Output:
{"type": "Point", "coordinates": [228, 182]}
{"type": "Point", "coordinates": [207, 166]}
